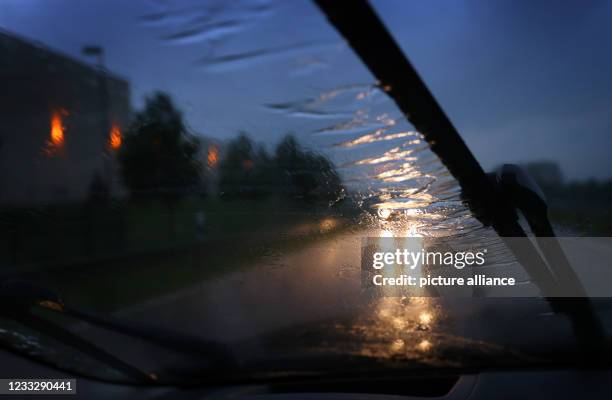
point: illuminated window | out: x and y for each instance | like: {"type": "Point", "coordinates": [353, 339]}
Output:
{"type": "Point", "coordinates": [115, 137]}
{"type": "Point", "coordinates": [57, 128]}
{"type": "Point", "coordinates": [57, 135]}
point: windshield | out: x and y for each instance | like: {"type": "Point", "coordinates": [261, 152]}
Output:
{"type": "Point", "coordinates": [220, 169]}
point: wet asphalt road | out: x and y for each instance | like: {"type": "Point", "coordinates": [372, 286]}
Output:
{"type": "Point", "coordinates": [321, 282]}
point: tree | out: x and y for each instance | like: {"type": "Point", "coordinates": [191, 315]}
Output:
{"type": "Point", "coordinates": [248, 170]}
{"type": "Point", "coordinates": [265, 172]}
{"type": "Point", "coordinates": [158, 155]}
{"type": "Point", "coordinates": [307, 175]}
{"type": "Point", "coordinates": [236, 168]}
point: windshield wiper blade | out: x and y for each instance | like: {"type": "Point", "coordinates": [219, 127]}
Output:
{"type": "Point", "coordinates": [372, 42]}
{"type": "Point", "coordinates": [369, 38]}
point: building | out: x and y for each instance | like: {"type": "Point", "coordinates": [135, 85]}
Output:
{"type": "Point", "coordinates": [61, 122]}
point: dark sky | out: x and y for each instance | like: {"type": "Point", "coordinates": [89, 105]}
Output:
{"type": "Point", "coordinates": [522, 80]}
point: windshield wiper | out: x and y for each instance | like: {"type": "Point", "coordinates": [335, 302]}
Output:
{"type": "Point", "coordinates": [18, 297]}
{"type": "Point", "coordinates": [371, 41]}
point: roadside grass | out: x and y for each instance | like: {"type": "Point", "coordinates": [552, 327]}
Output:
{"type": "Point", "coordinates": [591, 222]}
{"type": "Point", "coordinates": [143, 251]}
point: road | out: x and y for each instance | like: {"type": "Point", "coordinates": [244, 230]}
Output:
{"type": "Point", "coordinates": [321, 282]}
{"type": "Point", "coordinates": [314, 283]}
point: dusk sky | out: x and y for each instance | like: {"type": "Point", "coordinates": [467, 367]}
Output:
{"type": "Point", "coordinates": [521, 80]}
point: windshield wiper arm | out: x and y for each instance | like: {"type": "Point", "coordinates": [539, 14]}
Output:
{"type": "Point", "coordinates": [372, 42]}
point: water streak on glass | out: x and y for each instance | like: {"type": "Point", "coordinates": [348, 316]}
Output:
{"type": "Point", "coordinates": [243, 264]}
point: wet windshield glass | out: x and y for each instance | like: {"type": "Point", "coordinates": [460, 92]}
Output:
{"type": "Point", "coordinates": [213, 167]}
